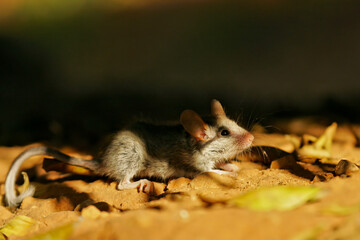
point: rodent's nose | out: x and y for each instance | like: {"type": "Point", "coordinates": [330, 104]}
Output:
{"type": "Point", "coordinates": [249, 137]}
{"type": "Point", "coordinates": [246, 139]}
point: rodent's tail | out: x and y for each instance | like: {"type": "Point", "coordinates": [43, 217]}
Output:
{"type": "Point", "coordinates": [10, 196]}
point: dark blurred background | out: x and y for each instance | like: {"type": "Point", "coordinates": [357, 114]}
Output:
{"type": "Point", "coordinates": [71, 72]}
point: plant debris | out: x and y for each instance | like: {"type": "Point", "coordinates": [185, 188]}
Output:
{"type": "Point", "coordinates": [18, 226]}
{"type": "Point", "coordinates": [59, 233]}
{"type": "Point", "coordinates": [277, 198]}
{"type": "Point", "coordinates": [317, 147]}
{"type": "Point", "coordinates": [274, 186]}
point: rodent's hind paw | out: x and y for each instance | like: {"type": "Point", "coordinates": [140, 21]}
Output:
{"type": "Point", "coordinates": [146, 186]}
{"type": "Point", "coordinates": [142, 185]}
{"type": "Point", "coordinates": [221, 172]}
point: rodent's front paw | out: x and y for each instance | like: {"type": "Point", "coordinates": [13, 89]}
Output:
{"type": "Point", "coordinates": [229, 167]}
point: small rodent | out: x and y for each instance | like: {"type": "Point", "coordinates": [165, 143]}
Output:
{"type": "Point", "coordinates": [195, 145]}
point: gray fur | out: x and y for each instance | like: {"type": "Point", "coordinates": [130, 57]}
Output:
{"type": "Point", "coordinates": [164, 151]}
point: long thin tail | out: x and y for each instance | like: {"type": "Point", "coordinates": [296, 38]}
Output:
{"type": "Point", "coordinates": [10, 196]}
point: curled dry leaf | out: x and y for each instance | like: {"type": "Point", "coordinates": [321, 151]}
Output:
{"type": "Point", "coordinates": [318, 147]}
{"type": "Point", "coordinates": [277, 198]}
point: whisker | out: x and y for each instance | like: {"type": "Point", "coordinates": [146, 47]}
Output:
{"type": "Point", "coordinates": [273, 127]}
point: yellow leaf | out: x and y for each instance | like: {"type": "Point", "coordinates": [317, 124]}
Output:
{"type": "Point", "coordinates": [319, 147]}
{"type": "Point", "coordinates": [325, 140]}
{"type": "Point", "coordinates": [277, 198]}
{"type": "Point", "coordinates": [310, 151]}
{"type": "Point", "coordinates": [18, 225]}
{"type": "Point", "coordinates": [59, 233]}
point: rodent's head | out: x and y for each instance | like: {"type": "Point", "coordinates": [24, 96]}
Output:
{"type": "Point", "coordinates": [219, 136]}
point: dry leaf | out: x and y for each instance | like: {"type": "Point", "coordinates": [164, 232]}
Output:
{"type": "Point", "coordinates": [59, 233]}
{"type": "Point", "coordinates": [318, 147]}
{"type": "Point", "coordinates": [19, 226]}
{"type": "Point", "coordinates": [277, 198]}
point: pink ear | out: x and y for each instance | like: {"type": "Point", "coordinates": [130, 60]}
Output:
{"type": "Point", "coordinates": [194, 125]}
{"type": "Point", "coordinates": [216, 108]}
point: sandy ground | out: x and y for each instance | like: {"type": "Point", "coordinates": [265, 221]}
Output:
{"type": "Point", "coordinates": [196, 208]}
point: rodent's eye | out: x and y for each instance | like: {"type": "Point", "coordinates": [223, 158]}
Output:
{"type": "Point", "coordinates": [225, 132]}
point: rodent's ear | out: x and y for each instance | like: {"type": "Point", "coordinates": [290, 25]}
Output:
{"type": "Point", "coordinates": [216, 108]}
{"type": "Point", "coordinates": [194, 125]}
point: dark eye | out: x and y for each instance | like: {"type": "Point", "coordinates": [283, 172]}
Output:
{"type": "Point", "coordinates": [225, 132]}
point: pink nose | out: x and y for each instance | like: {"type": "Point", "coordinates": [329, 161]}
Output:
{"type": "Point", "coordinates": [246, 139]}
{"type": "Point", "coordinates": [249, 137]}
